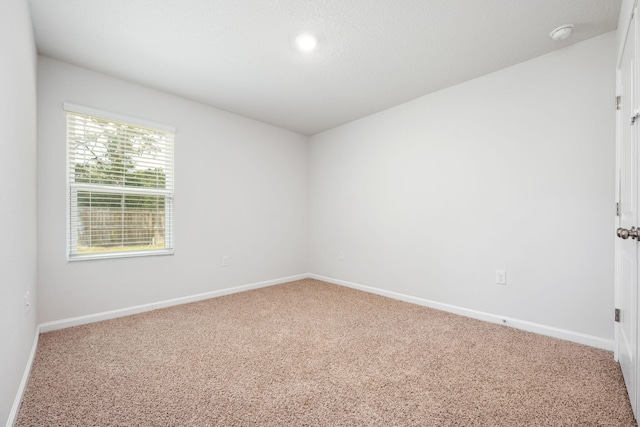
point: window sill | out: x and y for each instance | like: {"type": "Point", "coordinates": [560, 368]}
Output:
{"type": "Point", "coordinates": [118, 255]}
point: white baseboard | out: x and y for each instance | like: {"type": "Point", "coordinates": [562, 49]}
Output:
{"type": "Point", "coordinates": [15, 408]}
{"type": "Point", "coordinates": [81, 320]}
{"type": "Point", "coordinates": [549, 331]}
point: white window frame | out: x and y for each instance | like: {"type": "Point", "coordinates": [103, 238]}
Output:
{"type": "Point", "coordinates": [73, 188]}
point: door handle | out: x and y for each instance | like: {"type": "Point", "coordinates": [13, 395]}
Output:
{"type": "Point", "coordinates": [623, 233]}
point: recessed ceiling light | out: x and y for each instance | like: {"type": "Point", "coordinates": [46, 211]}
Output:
{"type": "Point", "coordinates": [562, 32]}
{"type": "Point", "coordinates": [306, 42]}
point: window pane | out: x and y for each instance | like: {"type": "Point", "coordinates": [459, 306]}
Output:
{"type": "Point", "coordinates": [107, 153]}
{"type": "Point", "coordinates": [117, 222]}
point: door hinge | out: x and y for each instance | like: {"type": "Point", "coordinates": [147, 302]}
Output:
{"type": "Point", "coordinates": [618, 209]}
{"type": "Point", "coordinates": [618, 102]}
{"type": "Point", "coordinates": [617, 315]}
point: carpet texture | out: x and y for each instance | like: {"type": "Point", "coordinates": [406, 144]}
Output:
{"type": "Point", "coordinates": [309, 353]}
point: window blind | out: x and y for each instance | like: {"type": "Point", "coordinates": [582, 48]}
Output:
{"type": "Point", "coordinates": [120, 182]}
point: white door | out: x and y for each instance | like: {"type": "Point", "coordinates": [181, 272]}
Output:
{"type": "Point", "coordinates": [627, 297]}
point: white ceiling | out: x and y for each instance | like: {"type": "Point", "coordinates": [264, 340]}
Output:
{"type": "Point", "coordinates": [238, 55]}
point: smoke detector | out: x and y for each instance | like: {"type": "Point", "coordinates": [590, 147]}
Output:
{"type": "Point", "coordinates": [562, 32]}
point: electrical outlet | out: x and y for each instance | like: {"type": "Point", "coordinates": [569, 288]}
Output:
{"type": "Point", "coordinates": [225, 261]}
{"type": "Point", "coordinates": [27, 302]}
{"type": "Point", "coordinates": [341, 255]}
{"type": "Point", "coordinates": [501, 277]}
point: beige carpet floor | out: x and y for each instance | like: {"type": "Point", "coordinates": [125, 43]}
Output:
{"type": "Point", "coordinates": [308, 353]}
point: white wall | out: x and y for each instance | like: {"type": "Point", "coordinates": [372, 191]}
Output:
{"type": "Point", "coordinates": [241, 191]}
{"type": "Point", "coordinates": [514, 170]}
{"type": "Point", "coordinates": [17, 196]}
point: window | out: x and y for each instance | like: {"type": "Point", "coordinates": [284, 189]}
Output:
{"type": "Point", "coordinates": [120, 186]}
